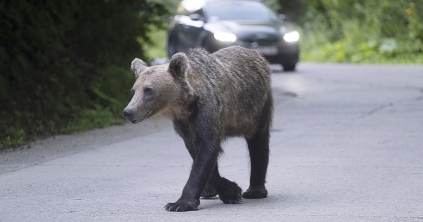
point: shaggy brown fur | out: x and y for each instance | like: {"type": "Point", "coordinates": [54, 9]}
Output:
{"type": "Point", "coordinates": [210, 97]}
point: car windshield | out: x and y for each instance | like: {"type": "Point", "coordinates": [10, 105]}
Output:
{"type": "Point", "coordinates": [239, 10]}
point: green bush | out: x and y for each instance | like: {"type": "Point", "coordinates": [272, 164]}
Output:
{"type": "Point", "coordinates": [388, 31]}
{"type": "Point", "coordinates": [64, 65]}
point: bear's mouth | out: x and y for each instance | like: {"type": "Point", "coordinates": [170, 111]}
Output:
{"type": "Point", "coordinates": [142, 118]}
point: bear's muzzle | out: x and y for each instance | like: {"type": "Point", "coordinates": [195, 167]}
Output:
{"type": "Point", "coordinates": [129, 114]}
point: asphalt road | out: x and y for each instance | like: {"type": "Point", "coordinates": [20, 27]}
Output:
{"type": "Point", "coordinates": [347, 145]}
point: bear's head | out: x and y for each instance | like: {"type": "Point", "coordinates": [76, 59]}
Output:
{"type": "Point", "coordinates": [159, 89]}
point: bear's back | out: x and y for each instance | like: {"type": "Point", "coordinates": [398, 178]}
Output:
{"type": "Point", "coordinates": [236, 82]}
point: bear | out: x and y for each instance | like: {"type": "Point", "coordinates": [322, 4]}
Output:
{"type": "Point", "coordinates": [210, 97]}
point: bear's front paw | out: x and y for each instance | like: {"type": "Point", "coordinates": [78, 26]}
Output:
{"type": "Point", "coordinates": [181, 206]}
{"type": "Point", "coordinates": [231, 194]}
{"type": "Point", "coordinates": [255, 193]}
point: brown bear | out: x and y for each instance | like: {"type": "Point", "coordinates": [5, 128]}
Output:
{"type": "Point", "coordinates": [209, 98]}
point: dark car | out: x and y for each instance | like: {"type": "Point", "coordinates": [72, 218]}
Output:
{"type": "Point", "coordinates": [215, 24]}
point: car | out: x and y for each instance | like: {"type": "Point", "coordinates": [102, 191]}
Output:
{"type": "Point", "coordinates": [216, 24]}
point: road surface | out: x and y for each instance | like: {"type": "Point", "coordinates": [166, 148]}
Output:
{"type": "Point", "coordinates": [347, 145]}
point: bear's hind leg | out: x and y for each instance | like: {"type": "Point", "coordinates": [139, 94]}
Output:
{"type": "Point", "coordinates": [209, 192]}
{"type": "Point", "coordinates": [229, 192]}
{"type": "Point", "coordinates": [258, 147]}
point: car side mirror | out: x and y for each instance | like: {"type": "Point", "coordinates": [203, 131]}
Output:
{"type": "Point", "coordinates": [196, 17]}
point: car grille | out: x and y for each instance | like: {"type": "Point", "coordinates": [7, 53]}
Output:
{"type": "Point", "coordinates": [260, 38]}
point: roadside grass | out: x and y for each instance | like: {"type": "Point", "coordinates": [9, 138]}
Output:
{"type": "Point", "coordinates": [373, 51]}
{"type": "Point", "coordinates": [88, 119]}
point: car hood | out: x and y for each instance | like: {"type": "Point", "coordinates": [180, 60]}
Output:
{"type": "Point", "coordinates": [249, 31]}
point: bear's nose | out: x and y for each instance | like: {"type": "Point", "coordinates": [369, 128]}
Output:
{"type": "Point", "coordinates": [128, 114]}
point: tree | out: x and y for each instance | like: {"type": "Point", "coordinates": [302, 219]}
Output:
{"type": "Point", "coordinates": [64, 64]}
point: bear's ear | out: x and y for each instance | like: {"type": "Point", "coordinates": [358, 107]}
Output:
{"type": "Point", "coordinates": [178, 65]}
{"type": "Point", "coordinates": [138, 66]}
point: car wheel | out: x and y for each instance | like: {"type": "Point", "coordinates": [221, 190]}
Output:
{"type": "Point", "coordinates": [289, 67]}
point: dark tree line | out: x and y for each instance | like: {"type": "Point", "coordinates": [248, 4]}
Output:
{"type": "Point", "coordinates": [64, 65]}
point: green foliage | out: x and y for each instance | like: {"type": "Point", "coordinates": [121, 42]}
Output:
{"type": "Point", "coordinates": [64, 65]}
{"type": "Point", "coordinates": [15, 137]}
{"type": "Point", "coordinates": [91, 118]}
{"type": "Point", "coordinates": [157, 48]}
{"type": "Point", "coordinates": [387, 31]}
{"type": "Point", "coordinates": [369, 31]}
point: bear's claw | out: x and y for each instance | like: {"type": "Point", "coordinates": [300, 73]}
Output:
{"type": "Point", "coordinates": [179, 207]}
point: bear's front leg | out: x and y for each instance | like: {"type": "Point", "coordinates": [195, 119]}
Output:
{"type": "Point", "coordinates": [204, 164]}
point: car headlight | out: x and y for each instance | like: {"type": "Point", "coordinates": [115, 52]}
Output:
{"type": "Point", "coordinates": [225, 36]}
{"type": "Point", "coordinates": [291, 36]}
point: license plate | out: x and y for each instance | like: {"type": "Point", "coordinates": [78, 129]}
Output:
{"type": "Point", "coordinates": [267, 50]}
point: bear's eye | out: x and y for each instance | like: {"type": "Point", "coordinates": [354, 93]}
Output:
{"type": "Point", "coordinates": [133, 92]}
{"type": "Point", "coordinates": [148, 91]}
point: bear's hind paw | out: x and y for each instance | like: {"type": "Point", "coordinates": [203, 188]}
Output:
{"type": "Point", "coordinates": [208, 193]}
{"type": "Point", "coordinates": [255, 193]}
{"type": "Point", "coordinates": [232, 194]}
